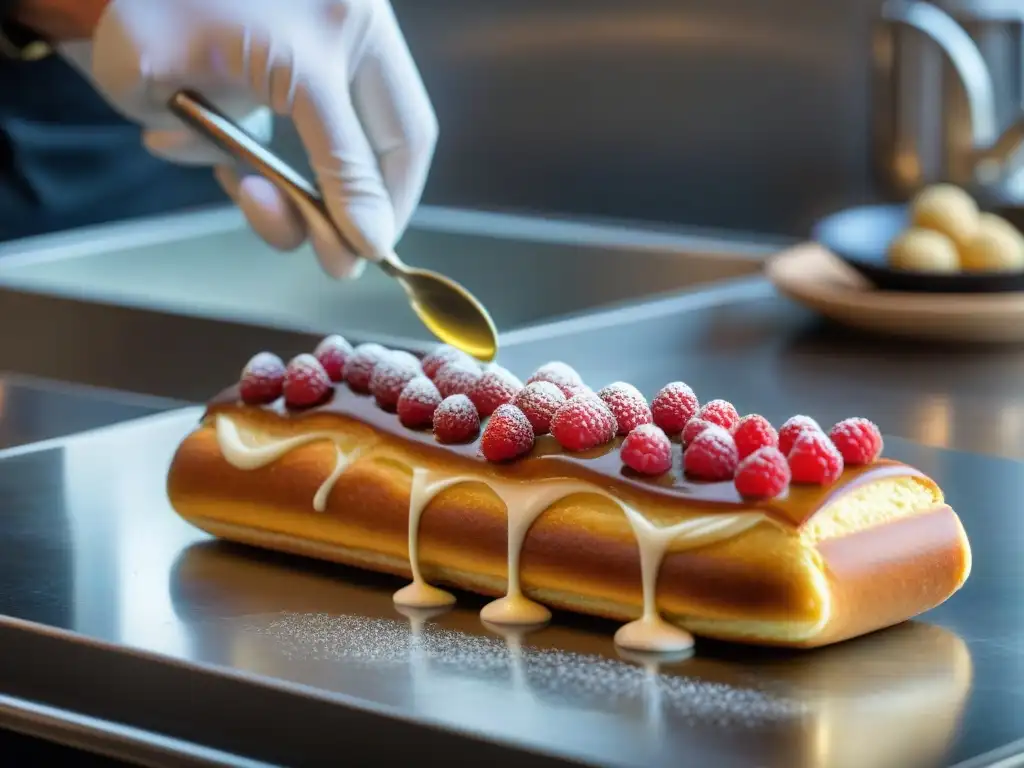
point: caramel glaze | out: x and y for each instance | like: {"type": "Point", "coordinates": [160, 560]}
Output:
{"type": "Point", "coordinates": [602, 466]}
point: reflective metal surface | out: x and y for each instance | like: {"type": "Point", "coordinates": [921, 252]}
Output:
{"type": "Point", "coordinates": [91, 545]}
{"type": "Point", "coordinates": [661, 110]}
{"type": "Point", "coordinates": [949, 97]}
{"type": "Point", "coordinates": [741, 342]}
{"type": "Point", "coordinates": [525, 270]}
{"type": "Point", "coordinates": [125, 311]}
{"type": "Point", "coordinates": [35, 409]}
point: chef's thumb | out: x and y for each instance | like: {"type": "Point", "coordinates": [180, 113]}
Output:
{"type": "Point", "coordinates": [274, 218]}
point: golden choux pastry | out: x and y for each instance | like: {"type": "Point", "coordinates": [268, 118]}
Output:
{"type": "Point", "coordinates": [924, 250]}
{"type": "Point", "coordinates": [993, 220]}
{"type": "Point", "coordinates": [546, 501]}
{"type": "Point", "coordinates": [947, 209]}
{"type": "Point", "coordinates": [996, 247]}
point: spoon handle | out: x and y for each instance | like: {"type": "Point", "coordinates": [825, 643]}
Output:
{"type": "Point", "coordinates": [199, 114]}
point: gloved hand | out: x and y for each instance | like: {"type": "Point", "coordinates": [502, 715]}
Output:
{"type": "Point", "coordinates": [340, 69]}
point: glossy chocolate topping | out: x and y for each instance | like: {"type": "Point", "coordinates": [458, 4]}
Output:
{"type": "Point", "coordinates": [602, 466]}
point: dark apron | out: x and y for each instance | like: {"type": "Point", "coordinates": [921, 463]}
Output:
{"type": "Point", "coordinates": [68, 160]}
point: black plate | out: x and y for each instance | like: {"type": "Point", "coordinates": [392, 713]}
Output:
{"type": "Point", "coordinates": [861, 237]}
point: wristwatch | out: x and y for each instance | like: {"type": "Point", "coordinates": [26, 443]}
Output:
{"type": "Point", "coordinates": [18, 41]}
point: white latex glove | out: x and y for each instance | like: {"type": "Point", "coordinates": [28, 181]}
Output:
{"type": "Point", "coordinates": [340, 69]}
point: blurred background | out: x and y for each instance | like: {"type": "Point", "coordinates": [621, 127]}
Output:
{"type": "Point", "coordinates": [737, 114]}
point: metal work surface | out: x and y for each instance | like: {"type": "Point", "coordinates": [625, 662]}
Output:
{"type": "Point", "coordinates": [525, 270]}
{"type": "Point", "coordinates": [35, 409]}
{"type": "Point", "coordinates": [671, 110]}
{"type": "Point", "coordinates": [740, 341]}
{"type": "Point", "coordinates": [91, 546]}
{"type": "Point", "coordinates": [728, 336]}
{"type": "Point", "coordinates": [737, 340]}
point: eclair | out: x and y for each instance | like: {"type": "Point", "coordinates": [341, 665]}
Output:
{"type": "Point", "coordinates": [672, 516]}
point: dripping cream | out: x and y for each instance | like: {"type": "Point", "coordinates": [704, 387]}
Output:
{"type": "Point", "coordinates": [524, 502]}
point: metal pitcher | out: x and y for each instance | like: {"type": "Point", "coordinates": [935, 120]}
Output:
{"type": "Point", "coordinates": [949, 96]}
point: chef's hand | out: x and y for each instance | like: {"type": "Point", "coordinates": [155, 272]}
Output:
{"type": "Point", "coordinates": [340, 69]}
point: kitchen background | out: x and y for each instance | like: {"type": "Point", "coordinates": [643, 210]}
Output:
{"type": "Point", "coordinates": [754, 117]}
{"type": "Point", "coordinates": [740, 114]}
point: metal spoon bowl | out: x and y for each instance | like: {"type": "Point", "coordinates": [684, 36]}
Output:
{"type": "Point", "coordinates": [448, 310]}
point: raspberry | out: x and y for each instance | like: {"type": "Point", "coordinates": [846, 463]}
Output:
{"type": "Point", "coordinates": [405, 357]}
{"type": "Point", "coordinates": [508, 434]}
{"type": "Point", "coordinates": [791, 430]}
{"type": "Point", "coordinates": [561, 375]}
{"type": "Point", "coordinates": [582, 423]}
{"type": "Point", "coordinates": [389, 378]}
{"type": "Point", "coordinates": [305, 382]}
{"type": "Point", "coordinates": [673, 406]}
{"type": "Point", "coordinates": [332, 353]}
{"type": "Point", "coordinates": [858, 440]}
{"type": "Point", "coordinates": [417, 403]}
{"type": "Point", "coordinates": [572, 390]}
{"type": "Point", "coordinates": [693, 428]}
{"type": "Point", "coordinates": [814, 459]}
{"type": "Point", "coordinates": [457, 379]}
{"type": "Point", "coordinates": [647, 450]}
{"type": "Point", "coordinates": [753, 432]}
{"type": "Point", "coordinates": [712, 455]}
{"type": "Point", "coordinates": [628, 406]}
{"type": "Point", "coordinates": [262, 379]}
{"type": "Point", "coordinates": [720, 412]}
{"type": "Point", "coordinates": [360, 364]}
{"type": "Point", "coordinates": [763, 474]}
{"type": "Point", "coordinates": [456, 420]}
{"type": "Point", "coordinates": [441, 356]}
{"type": "Point", "coordinates": [539, 401]}
{"type": "Point", "coordinates": [495, 387]}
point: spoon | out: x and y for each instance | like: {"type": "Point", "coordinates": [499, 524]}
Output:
{"type": "Point", "coordinates": [447, 309]}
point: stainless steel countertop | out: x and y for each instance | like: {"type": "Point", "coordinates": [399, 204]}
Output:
{"type": "Point", "coordinates": [92, 547]}
{"type": "Point", "coordinates": [740, 341]}
{"type": "Point", "coordinates": [733, 338]}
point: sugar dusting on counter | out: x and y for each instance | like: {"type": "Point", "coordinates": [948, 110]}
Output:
{"type": "Point", "coordinates": [573, 679]}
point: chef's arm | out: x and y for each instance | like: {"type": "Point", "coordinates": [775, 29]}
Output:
{"type": "Point", "coordinates": [57, 20]}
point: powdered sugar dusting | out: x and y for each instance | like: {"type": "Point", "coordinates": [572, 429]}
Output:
{"type": "Point", "coordinates": [693, 428]}
{"type": "Point", "coordinates": [562, 376]}
{"type": "Point", "coordinates": [718, 436]}
{"type": "Point", "coordinates": [801, 421]}
{"type": "Point", "coordinates": [441, 356]}
{"type": "Point", "coordinates": [389, 378]}
{"type": "Point", "coordinates": [403, 358]}
{"type": "Point", "coordinates": [793, 428]}
{"type": "Point", "coordinates": [456, 419]}
{"type": "Point", "coordinates": [720, 412]}
{"type": "Point", "coordinates": [457, 378]}
{"type": "Point", "coordinates": [627, 404]}
{"type": "Point", "coordinates": [560, 677]}
{"type": "Point", "coordinates": [421, 390]}
{"type": "Point", "coordinates": [539, 401]}
{"type": "Point", "coordinates": [459, 407]}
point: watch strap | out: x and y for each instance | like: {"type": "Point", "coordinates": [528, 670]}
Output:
{"type": "Point", "coordinates": [18, 41]}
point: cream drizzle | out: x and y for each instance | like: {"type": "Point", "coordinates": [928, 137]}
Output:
{"type": "Point", "coordinates": [524, 503]}
{"type": "Point", "coordinates": [248, 457]}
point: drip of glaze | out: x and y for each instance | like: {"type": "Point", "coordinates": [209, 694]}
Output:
{"type": "Point", "coordinates": [249, 457]}
{"type": "Point", "coordinates": [419, 594]}
{"type": "Point", "coordinates": [340, 465]}
{"type": "Point", "coordinates": [651, 632]}
{"type": "Point", "coordinates": [524, 502]}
